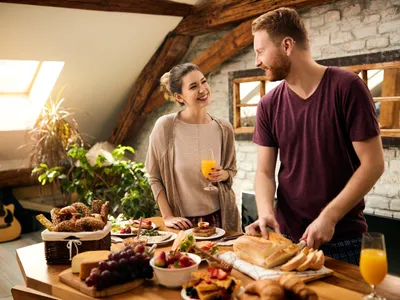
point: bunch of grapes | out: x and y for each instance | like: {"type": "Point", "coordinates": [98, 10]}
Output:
{"type": "Point", "coordinates": [121, 267]}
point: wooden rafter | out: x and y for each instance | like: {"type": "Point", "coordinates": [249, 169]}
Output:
{"type": "Point", "coordinates": [214, 14]}
{"type": "Point", "coordinates": [168, 54]}
{"type": "Point", "coordinates": [153, 7]}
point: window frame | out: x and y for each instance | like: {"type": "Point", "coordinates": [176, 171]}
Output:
{"type": "Point", "coordinates": [379, 60]}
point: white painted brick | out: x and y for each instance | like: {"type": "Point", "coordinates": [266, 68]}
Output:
{"type": "Point", "coordinates": [386, 164]}
{"type": "Point", "coordinates": [246, 148]}
{"type": "Point", "coordinates": [380, 42]}
{"type": "Point", "coordinates": [317, 21]}
{"type": "Point", "coordinates": [369, 210]}
{"type": "Point", "coordinates": [371, 19]}
{"type": "Point", "coordinates": [390, 13]}
{"type": "Point", "coordinates": [248, 185]}
{"type": "Point", "coordinates": [390, 177]}
{"type": "Point", "coordinates": [313, 32]}
{"type": "Point", "coordinates": [241, 174]}
{"type": "Point", "coordinates": [320, 40]}
{"type": "Point", "coordinates": [240, 156]}
{"type": "Point", "coordinates": [394, 38]}
{"type": "Point", "coordinates": [318, 10]}
{"type": "Point", "coordinates": [251, 157]}
{"type": "Point", "coordinates": [352, 10]}
{"type": "Point", "coordinates": [329, 28]}
{"type": "Point", "coordinates": [330, 51]}
{"type": "Point", "coordinates": [378, 4]}
{"type": "Point", "coordinates": [246, 166]}
{"type": "Point", "coordinates": [395, 2]}
{"type": "Point", "coordinates": [354, 45]}
{"type": "Point", "coordinates": [341, 37]}
{"type": "Point", "coordinates": [364, 32]}
{"type": "Point", "coordinates": [384, 213]}
{"type": "Point", "coordinates": [315, 50]}
{"type": "Point", "coordinates": [396, 215]}
{"type": "Point", "coordinates": [387, 189]}
{"type": "Point", "coordinates": [377, 202]}
{"type": "Point", "coordinates": [395, 204]}
{"type": "Point", "coordinates": [389, 154]}
{"type": "Point", "coordinates": [350, 23]}
{"type": "Point", "coordinates": [395, 165]}
{"type": "Point", "coordinates": [250, 176]}
{"type": "Point", "coordinates": [332, 15]}
{"type": "Point", "coordinates": [389, 26]}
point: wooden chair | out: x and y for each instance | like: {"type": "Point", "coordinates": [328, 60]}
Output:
{"type": "Point", "coordinates": [20, 292]}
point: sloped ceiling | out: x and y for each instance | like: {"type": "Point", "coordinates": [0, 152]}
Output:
{"type": "Point", "coordinates": [103, 52]}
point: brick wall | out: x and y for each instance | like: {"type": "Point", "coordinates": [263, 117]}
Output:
{"type": "Point", "coordinates": [338, 29]}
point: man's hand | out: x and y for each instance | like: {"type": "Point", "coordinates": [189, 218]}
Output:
{"type": "Point", "coordinates": [261, 226]}
{"type": "Point", "coordinates": [318, 232]}
{"type": "Point", "coordinates": [177, 223]}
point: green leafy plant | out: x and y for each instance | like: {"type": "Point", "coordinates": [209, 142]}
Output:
{"type": "Point", "coordinates": [106, 175]}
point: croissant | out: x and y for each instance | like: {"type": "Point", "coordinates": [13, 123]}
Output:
{"type": "Point", "coordinates": [266, 289]}
{"type": "Point", "coordinates": [296, 288]}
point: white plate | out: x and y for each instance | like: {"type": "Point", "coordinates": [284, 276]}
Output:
{"type": "Point", "coordinates": [186, 297]}
{"type": "Point", "coordinates": [219, 232]}
{"type": "Point", "coordinates": [134, 229]}
{"type": "Point", "coordinates": [166, 241]}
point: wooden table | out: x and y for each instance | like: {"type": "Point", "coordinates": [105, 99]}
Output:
{"type": "Point", "coordinates": [345, 284]}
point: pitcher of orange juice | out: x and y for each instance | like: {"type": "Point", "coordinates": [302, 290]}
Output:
{"type": "Point", "coordinates": [373, 262]}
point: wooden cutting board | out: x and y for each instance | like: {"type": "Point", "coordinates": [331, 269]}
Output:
{"type": "Point", "coordinates": [74, 281]}
{"type": "Point", "coordinates": [317, 276]}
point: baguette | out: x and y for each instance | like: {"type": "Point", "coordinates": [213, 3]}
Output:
{"type": "Point", "coordinates": [319, 261]}
{"type": "Point", "coordinates": [311, 258]}
{"type": "Point", "coordinates": [281, 256]}
{"type": "Point", "coordinates": [294, 263]}
{"type": "Point", "coordinates": [256, 249]}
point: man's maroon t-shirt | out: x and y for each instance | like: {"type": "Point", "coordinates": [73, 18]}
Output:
{"type": "Point", "coordinates": [314, 137]}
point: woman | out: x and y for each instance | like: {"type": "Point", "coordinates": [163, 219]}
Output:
{"type": "Point", "coordinates": [174, 157]}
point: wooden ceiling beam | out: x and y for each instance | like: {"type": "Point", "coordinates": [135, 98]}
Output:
{"type": "Point", "coordinates": [213, 15]}
{"type": "Point", "coordinates": [21, 177]}
{"type": "Point", "coordinates": [168, 55]}
{"type": "Point", "coordinates": [152, 7]}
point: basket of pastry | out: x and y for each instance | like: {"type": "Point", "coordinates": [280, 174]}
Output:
{"type": "Point", "coordinates": [212, 285]}
{"type": "Point", "coordinates": [75, 229]}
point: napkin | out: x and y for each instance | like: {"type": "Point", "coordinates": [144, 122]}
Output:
{"type": "Point", "coordinates": [257, 272]}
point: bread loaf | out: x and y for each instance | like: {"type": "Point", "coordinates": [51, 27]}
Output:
{"type": "Point", "coordinates": [256, 249]}
{"type": "Point", "coordinates": [294, 263]}
{"type": "Point", "coordinates": [281, 256]}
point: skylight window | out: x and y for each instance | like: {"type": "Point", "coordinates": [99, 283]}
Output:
{"type": "Point", "coordinates": [25, 87]}
{"type": "Point", "coordinates": [16, 76]}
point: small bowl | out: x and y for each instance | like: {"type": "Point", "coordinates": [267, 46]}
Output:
{"type": "Point", "coordinates": [173, 278]}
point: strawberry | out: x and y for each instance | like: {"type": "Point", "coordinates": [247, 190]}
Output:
{"type": "Point", "coordinates": [213, 273]}
{"type": "Point", "coordinates": [222, 274]}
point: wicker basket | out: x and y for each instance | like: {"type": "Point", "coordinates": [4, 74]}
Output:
{"type": "Point", "coordinates": [59, 249]}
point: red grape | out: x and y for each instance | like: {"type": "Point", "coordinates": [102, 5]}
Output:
{"type": "Point", "coordinates": [139, 248]}
{"type": "Point", "coordinates": [103, 265]}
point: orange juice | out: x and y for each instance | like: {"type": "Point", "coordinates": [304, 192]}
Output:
{"type": "Point", "coordinates": [373, 265]}
{"type": "Point", "coordinates": [206, 166]}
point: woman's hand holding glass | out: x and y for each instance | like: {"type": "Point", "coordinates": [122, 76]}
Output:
{"type": "Point", "coordinates": [217, 174]}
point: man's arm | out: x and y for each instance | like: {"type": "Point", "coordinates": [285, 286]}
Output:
{"type": "Point", "coordinates": [370, 154]}
{"type": "Point", "coordinates": [265, 191]}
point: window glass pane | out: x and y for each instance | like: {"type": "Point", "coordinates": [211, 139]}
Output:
{"type": "Point", "coordinates": [16, 75]}
{"type": "Point", "coordinates": [248, 116]}
{"type": "Point", "coordinates": [250, 92]}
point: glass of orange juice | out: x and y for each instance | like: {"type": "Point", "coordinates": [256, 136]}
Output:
{"type": "Point", "coordinates": [373, 262]}
{"type": "Point", "coordinates": [207, 163]}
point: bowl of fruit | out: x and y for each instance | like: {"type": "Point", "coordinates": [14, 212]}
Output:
{"type": "Point", "coordinates": [174, 268]}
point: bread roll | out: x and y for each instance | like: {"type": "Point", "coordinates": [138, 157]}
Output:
{"type": "Point", "coordinates": [256, 249]}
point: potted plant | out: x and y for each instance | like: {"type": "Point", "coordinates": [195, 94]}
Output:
{"type": "Point", "coordinates": [102, 173]}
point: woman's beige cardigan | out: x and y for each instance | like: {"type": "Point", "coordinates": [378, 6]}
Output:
{"type": "Point", "coordinates": [160, 168]}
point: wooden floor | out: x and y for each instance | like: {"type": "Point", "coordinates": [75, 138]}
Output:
{"type": "Point", "coordinates": [10, 274]}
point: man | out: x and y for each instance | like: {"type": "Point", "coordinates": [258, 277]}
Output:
{"type": "Point", "coordinates": [324, 124]}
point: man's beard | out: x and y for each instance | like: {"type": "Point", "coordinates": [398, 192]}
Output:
{"type": "Point", "coordinates": [279, 68]}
